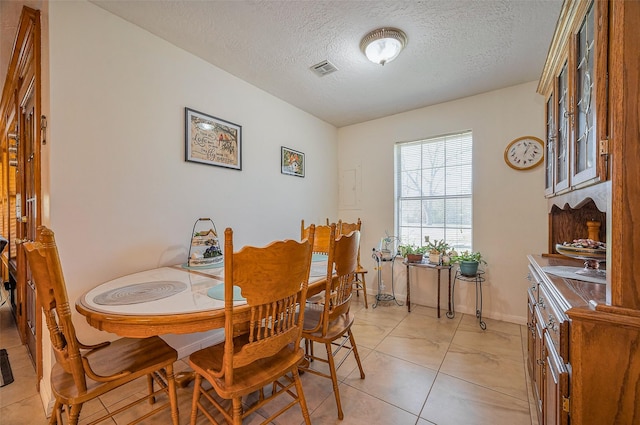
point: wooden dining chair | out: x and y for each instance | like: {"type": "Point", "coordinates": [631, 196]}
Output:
{"type": "Point", "coordinates": [360, 282]}
{"type": "Point", "coordinates": [321, 240]}
{"type": "Point", "coordinates": [262, 338]}
{"type": "Point", "coordinates": [330, 323]}
{"type": "Point", "coordinates": [84, 372]}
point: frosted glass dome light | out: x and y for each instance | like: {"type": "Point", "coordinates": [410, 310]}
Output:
{"type": "Point", "coordinates": [383, 45]}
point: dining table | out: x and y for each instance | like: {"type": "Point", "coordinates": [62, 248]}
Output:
{"type": "Point", "coordinates": [178, 299]}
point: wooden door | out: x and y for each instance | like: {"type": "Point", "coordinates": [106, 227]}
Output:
{"type": "Point", "coordinates": [28, 220]}
{"type": "Point", "coordinates": [20, 109]}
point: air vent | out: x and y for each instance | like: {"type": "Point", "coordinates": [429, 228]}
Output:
{"type": "Point", "coordinates": [323, 68]}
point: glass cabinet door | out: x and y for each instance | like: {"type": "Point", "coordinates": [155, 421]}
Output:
{"type": "Point", "coordinates": [564, 127]}
{"type": "Point", "coordinates": [549, 147]}
{"type": "Point", "coordinates": [584, 161]}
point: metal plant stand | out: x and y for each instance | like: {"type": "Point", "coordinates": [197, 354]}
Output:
{"type": "Point", "coordinates": [380, 258]}
{"type": "Point", "coordinates": [478, 278]}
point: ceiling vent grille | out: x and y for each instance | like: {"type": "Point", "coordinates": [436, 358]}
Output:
{"type": "Point", "coordinates": [323, 68]}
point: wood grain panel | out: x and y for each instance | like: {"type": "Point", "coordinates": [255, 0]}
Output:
{"type": "Point", "coordinates": [624, 92]}
{"type": "Point", "coordinates": [567, 224]}
{"type": "Point", "coordinates": [605, 384]}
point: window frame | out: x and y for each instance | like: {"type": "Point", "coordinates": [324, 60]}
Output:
{"type": "Point", "coordinates": [465, 141]}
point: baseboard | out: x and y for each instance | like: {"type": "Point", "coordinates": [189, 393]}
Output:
{"type": "Point", "coordinates": [47, 398]}
{"type": "Point", "coordinates": [518, 320]}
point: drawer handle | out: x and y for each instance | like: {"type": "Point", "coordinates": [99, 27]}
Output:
{"type": "Point", "coordinates": [552, 324]}
{"type": "Point", "coordinates": [540, 362]}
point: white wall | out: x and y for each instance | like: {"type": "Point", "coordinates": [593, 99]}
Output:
{"type": "Point", "coordinates": [509, 208]}
{"type": "Point", "coordinates": [122, 197]}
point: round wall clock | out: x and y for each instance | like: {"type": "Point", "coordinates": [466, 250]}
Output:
{"type": "Point", "coordinates": [524, 153]}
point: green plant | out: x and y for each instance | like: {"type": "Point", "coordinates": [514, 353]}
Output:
{"type": "Point", "coordinates": [437, 246]}
{"type": "Point", "coordinates": [411, 249]}
{"type": "Point", "coordinates": [475, 256]}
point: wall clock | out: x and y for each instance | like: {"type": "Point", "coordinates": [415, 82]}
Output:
{"type": "Point", "coordinates": [524, 153]}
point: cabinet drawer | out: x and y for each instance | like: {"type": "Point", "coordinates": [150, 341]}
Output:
{"type": "Point", "coordinates": [554, 321]}
{"type": "Point", "coordinates": [534, 281]}
{"type": "Point", "coordinates": [533, 299]}
{"type": "Point", "coordinates": [556, 389]}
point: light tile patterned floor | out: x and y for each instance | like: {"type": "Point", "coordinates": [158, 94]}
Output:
{"type": "Point", "coordinates": [419, 370]}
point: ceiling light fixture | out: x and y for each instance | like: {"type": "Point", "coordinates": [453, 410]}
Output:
{"type": "Point", "coordinates": [383, 45]}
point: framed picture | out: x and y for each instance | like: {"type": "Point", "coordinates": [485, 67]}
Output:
{"type": "Point", "coordinates": [211, 140]}
{"type": "Point", "coordinates": [292, 162]}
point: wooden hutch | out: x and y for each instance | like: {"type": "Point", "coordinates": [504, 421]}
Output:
{"type": "Point", "coordinates": [584, 340]}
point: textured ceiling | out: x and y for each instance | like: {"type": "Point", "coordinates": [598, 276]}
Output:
{"type": "Point", "coordinates": [456, 48]}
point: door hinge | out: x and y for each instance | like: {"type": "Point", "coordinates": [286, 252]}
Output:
{"type": "Point", "coordinates": [565, 404]}
{"type": "Point", "coordinates": [604, 147]}
{"type": "Point", "coordinates": [43, 128]}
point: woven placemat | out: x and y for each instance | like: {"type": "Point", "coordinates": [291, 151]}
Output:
{"type": "Point", "coordinates": [140, 293]}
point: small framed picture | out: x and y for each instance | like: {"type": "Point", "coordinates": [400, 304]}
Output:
{"type": "Point", "coordinates": [213, 141]}
{"type": "Point", "coordinates": [292, 162]}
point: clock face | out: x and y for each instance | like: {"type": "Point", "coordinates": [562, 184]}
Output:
{"type": "Point", "coordinates": [524, 153]}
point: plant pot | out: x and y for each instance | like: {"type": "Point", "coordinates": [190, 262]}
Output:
{"type": "Point", "coordinates": [469, 268]}
{"type": "Point", "coordinates": [434, 258]}
{"type": "Point", "coordinates": [414, 258]}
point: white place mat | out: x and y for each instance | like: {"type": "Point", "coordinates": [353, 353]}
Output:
{"type": "Point", "coordinates": [570, 273]}
{"type": "Point", "coordinates": [140, 293]}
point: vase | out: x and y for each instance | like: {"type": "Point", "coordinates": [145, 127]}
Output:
{"type": "Point", "coordinates": [469, 268]}
{"type": "Point", "coordinates": [434, 258]}
{"type": "Point", "coordinates": [414, 258]}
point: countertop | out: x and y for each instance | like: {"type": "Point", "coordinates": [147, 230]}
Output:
{"type": "Point", "coordinates": [571, 292]}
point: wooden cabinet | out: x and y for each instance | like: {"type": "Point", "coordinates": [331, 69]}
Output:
{"type": "Point", "coordinates": [596, 44]}
{"type": "Point", "coordinates": [574, 82]}
{"type": "Point", "coordinates": [556, 386]}
{"type": "Point", "coordinates": [547, 350]}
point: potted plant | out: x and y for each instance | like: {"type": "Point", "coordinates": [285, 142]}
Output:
{"type": "Point", "coordinates": [436, 249]}
{"type": "Point", "coordinates": [469, 262]}
{"type": "Point", "coordinates": [447, 256]}
{"type": "Point", "coordinates": [412, 253]}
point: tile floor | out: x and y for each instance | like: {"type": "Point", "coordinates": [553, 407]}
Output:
{"type": "Point", "coordinates": [420, 370]}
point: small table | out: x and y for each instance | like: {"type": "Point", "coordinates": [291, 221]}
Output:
{"type": "Point", "coordinates": [478, 278]}
{"type": "Point", "coordinates": [431, 266]}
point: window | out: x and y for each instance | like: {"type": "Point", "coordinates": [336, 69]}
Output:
{"type": "Point", "coordinates": [434, 190]}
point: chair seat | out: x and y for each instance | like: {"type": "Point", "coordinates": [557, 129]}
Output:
{"type": "Point", "coordinates": [138, 356]}
{"type": "Point", "coordinates": [361, 269]}
{"type": "Point", "coordinates": [336, 328]}
{"type": "Point", "coordinates": [248, 378]}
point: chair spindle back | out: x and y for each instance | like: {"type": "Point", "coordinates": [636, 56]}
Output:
{"type": "Point", "coordinates": [274, 281]}
{"type": "Point", "coordinates": [46, 271]}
